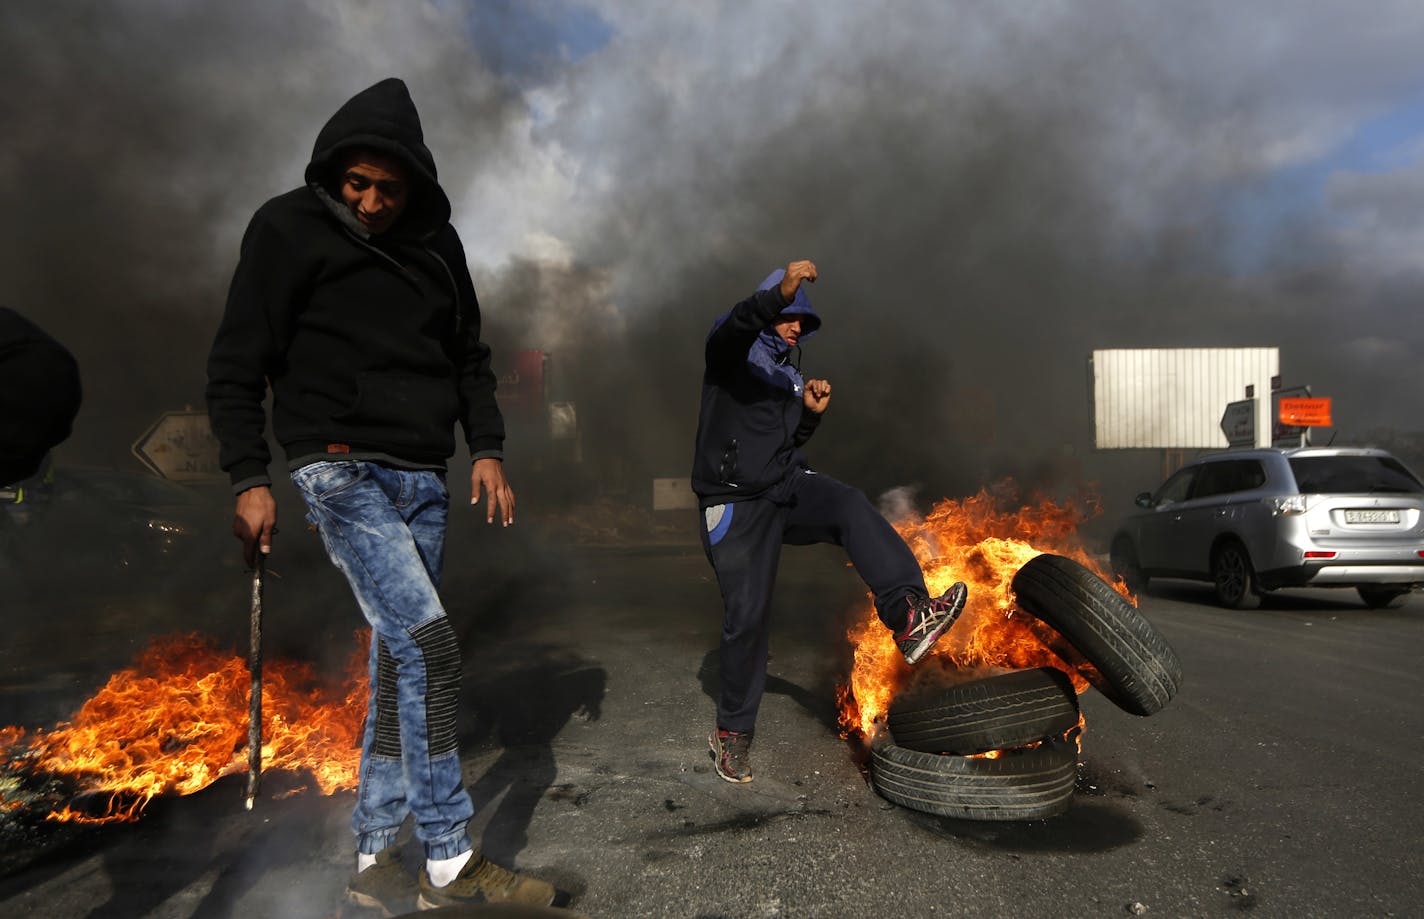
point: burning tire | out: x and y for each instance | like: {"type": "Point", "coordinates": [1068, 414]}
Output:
{"type": "Point", "coordinates": [1019, 785]}
{"type": "Point", "coordinates": [1132, 664]}
{"type": "Point", "coordinates": [996, 713]}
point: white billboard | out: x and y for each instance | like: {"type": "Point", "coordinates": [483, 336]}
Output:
{"type": "Point", "coordinates": [1173, 398]}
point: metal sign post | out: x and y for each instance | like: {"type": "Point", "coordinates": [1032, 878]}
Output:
{"type": "Point", "coordinates": [1283, 432]}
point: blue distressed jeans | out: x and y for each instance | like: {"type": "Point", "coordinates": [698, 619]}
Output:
{"type": "Point", "coordinates": [384, 528]}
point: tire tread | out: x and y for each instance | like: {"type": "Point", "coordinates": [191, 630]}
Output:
{"type": "Point", "coordinates": [1132, 662]}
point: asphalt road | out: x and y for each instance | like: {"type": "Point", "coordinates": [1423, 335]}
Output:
{"type": "Point", "coordinates": [1282, 781]}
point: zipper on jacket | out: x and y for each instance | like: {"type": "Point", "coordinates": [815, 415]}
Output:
{"type": "Point", "coordinates": [454, 288]}
{"type": "Point", "coordinates": [414, 279]}
{"type": "Point", "coordinates": [384, 255]}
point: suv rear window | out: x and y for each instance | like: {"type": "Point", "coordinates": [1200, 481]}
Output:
{"type": "Point", "coordinates": [1326, 475]}
{"type": "Point", "coordinates": [1227, 476]}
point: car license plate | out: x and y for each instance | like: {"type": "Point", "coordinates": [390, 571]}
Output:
{"type": "Point", "coordinates": [1372, 516]}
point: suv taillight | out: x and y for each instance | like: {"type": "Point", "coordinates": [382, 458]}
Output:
{"type": "Point", "coordinates": [1286, 505]}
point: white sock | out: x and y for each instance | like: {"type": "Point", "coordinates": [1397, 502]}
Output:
{"type": "Point", "coordinates": [364, 861]}
{"type": "Point", "coordinates": [443, 870]}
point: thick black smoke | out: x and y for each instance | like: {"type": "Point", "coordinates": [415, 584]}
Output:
{"type": "Point", "coordinates": [990, 193]}
{"type": "Point", "coordinates": [139, 140]}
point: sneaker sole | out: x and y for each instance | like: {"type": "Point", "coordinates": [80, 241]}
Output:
{"type": "Point", "coordinates": [421, 903]}
{"type": "Point", "coordinates": [712, 749]}
{"type": "Point", "coordinates": [366, 902]}
{"type": "Point", "coordinates": [929, 640]}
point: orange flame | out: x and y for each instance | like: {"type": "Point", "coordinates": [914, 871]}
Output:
{"type": "Point", "coordinates": [175, 721]}
{"type": "Point", "coordinates": [982, 540]}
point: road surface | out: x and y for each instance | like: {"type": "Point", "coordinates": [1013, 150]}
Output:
{"type": "Point", "coordinates": [1282, 780]}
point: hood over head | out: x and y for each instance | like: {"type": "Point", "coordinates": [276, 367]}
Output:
{"type": "Point", "coordinates": [800, 305]}
{"type": "Point", "coordinates": [383, 118]}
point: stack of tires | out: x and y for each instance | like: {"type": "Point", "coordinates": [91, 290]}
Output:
{"type": "Point", "coordinates": [928, 758]}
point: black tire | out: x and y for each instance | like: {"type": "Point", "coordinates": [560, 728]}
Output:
{"type": "Point", "coordinates": [1123, 561]}
{"type": "Point", "coordinates": [996, 713]}
{"type": "Point", "coordinates": [1234, 577]}
{"type": "Point", "coordinates": [1382, 596]}
{"type": "Point", "coordinates": [1020, 785]}
{"type": "Point", "coordinates": [1132, 664]}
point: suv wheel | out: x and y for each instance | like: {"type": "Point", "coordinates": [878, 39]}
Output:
{"type": "Point", "coordinates": [1383, 596]}
{"type": "Point", "coordinates": [1234, 578]}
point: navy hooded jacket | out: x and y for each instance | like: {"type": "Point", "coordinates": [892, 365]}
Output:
{"type": "Point", "coordinates": [753, 419]}
{"type": "Point", "coordinates": [371, 343]}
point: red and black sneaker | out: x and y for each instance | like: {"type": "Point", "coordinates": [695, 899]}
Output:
{"type": "Point", "coordinates": [928, 620]}
{"type": "Point", "coordinates": [732, 754]}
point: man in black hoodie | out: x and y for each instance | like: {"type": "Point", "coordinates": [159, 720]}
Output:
{"type": "Point", "coordinates": [352, 300]}
{"type": "Point", "coordinates": [757, 492]}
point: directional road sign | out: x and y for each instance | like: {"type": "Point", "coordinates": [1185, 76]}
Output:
{"type": "Point", "coordinates": [180, 446]}
{"type": "Point", "coordinates": [1238, 423]}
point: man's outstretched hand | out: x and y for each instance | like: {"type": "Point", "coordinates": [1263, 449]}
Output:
{"type": "Point", "coordinates": [255, 522]}
{"type": "Point", "coordinates": [796, 272]}
{"type": "Point", "coordinates": [487, 475]}
{"type": "Point", "coordinates": [816, 396]}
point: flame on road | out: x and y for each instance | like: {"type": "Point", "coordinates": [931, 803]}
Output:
{"type": "Point", "coordinates": [175, 721]}
{"type": "Point", "coordinates": [982, 540]}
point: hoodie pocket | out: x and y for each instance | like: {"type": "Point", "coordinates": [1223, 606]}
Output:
{"type": "Point", "coordinates": [403, 409]}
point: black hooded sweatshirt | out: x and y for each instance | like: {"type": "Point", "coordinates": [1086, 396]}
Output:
{"type": "Point", "coordinates": [371, 344]}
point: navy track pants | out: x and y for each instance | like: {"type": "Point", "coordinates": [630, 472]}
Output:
{"type": "Point", "coordinates": [743, 542]}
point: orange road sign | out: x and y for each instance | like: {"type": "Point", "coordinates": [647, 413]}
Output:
{"type": "Point", "coordinates": [1306, 413]}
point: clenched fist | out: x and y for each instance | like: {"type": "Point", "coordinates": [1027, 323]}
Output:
{"type": "Point", "coordinates": [816, 396]}
{"type": "Point", "coordinates": [796, 272]}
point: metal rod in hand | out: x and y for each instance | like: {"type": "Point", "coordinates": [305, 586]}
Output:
{"type": "Point", "coordinates": [254, 705]}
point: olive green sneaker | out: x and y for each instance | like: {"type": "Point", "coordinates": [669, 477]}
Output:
{"type": "Point", "coordinates": [385, 889]}
{"type": "Point", "coordinates": [482, 881]}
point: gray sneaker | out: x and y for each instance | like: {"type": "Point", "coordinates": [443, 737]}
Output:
{"type": "Point", "coordinates": [482, 881]}
{"type": "Point", "coordinates": [928, 620]}
{"type": "Point", "coordinates": [385, 889]}
{"type": "Point", "coordinates": [731, 754]}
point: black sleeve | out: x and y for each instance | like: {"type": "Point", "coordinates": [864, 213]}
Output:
{"type": "Point", "coordinates": [263, 295]}
{"type": "Point", "coordinates": [732, 339]}
{"type": "Point", "coordinates": [479, 412]}
{"type": "Point", "coordinates": [806, 427]}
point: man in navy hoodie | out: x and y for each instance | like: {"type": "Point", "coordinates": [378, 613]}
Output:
{"type": "Point", "coordinates": [757, 492]}
{"type": "Point", "coordinates": [353, 302]}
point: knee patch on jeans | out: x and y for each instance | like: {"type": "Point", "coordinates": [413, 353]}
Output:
{"type": "Point", "coordinates": [387, 741]}
{"type": "Point", "coordinates": [441, 652]}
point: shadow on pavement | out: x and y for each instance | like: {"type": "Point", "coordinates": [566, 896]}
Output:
{"type": "Point", "coordinates": [1088, 826]}
{"type": "Point", "coordinates": [1305, 600]}
{"type": "Point", "coordinates": [820, 705]}
{"type": "Point", "coordinates": [521, 712]}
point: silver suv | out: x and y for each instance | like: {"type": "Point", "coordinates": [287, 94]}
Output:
{"type": "Point", "coordinates": [1251, 521]}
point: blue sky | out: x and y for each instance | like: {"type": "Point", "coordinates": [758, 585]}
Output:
{"type": "Point", "coordinates": [1391, 142]}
